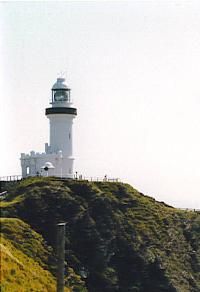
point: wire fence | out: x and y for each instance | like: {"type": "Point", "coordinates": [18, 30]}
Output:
{"type": "Point", "coordinates": [189, 209]}
{"type": "Point", "coordinates": [10, 178]}
{"type": "Point", "coordinates": [96, 179]}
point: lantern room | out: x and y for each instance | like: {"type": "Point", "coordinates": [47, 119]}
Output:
{"type": "Point", "coordinates": [60, 93]}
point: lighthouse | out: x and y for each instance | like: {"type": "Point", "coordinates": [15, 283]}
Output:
{"type": "Point", "coordinates": [57, 160]}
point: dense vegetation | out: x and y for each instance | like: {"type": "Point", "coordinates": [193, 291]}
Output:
{"type": "Point", "coordinates": [117, 239]}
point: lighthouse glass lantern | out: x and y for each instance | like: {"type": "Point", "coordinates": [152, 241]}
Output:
{"type": "Point", "coordinates": [60, 92]}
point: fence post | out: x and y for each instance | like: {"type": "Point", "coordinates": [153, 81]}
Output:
{"type": "Point", "coordinates": [60, 257]}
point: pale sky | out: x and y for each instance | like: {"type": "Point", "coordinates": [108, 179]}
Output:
{"type": "Point", "coordinates": [134, 71]}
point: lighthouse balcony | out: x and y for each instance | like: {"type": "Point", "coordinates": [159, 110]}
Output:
{"type": "Point", "coordinates": [61, 110]}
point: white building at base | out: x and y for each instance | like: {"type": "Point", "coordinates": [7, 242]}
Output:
{"type": "Point", "coordinates": [58, 157]}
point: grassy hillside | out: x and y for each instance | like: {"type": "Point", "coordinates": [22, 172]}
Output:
{"type": "Point", "coordinates": [23, 259]}
{"type": "Point", "coordinates": [117, 239]}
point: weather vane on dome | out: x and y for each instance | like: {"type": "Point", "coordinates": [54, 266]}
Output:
{"type": "Point", "coordinates": [62, 74]}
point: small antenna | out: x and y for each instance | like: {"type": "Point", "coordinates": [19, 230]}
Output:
{"type": "Point", "coordinates": [62, 74]}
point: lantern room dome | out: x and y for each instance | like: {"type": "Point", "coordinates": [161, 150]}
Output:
{"type": "Point", "coordinates": [60, 84]}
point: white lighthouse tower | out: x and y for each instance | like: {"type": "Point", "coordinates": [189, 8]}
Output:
{"type": "Point", "coordinates": [58, 157]}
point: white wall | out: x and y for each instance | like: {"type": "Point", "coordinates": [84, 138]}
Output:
{"type": "Point", "coordinates": [61, 133]}
{"type": "Point", "coordinates": [63, 165]}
